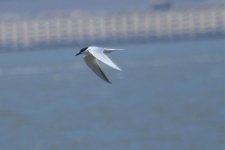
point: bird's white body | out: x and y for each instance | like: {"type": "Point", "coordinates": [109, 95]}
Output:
{"type": "Point", "coordinates": [93, 54]}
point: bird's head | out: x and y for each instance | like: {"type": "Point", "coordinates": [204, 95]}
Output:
{"type": "Point", "coordinates": [82, 50]}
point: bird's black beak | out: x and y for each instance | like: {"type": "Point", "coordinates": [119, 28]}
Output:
{"type": "Point", "coordinates": [78, 54]}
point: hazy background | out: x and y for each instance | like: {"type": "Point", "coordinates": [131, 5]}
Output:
{"type": "Point", "coordinates": [40, 6]}
{"type": "Point", "coordinates": [169, 96]}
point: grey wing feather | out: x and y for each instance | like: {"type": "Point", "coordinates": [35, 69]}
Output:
{"type": "Point", "coordinates": [104, 58]}
{"type": "Point", "coordinates": [109, 50]}
{"type": "Point", "coordinates": [92, 63]}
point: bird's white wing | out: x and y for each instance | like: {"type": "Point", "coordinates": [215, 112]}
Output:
{"type": "Point", "coordinates": [99, 54]}
{"type": "Point", "coordinates": [109, 50]}
{"type": "Point", "coordinates": [92, 63]}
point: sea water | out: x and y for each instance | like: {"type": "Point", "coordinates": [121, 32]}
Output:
{"type": "Point", "coordinates": [169, 96]}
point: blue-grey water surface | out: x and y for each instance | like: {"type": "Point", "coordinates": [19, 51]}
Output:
{"type": "Point", "coordinates": [169, 96]}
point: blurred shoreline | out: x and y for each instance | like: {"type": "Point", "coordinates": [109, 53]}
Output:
{"type": "Point", "coordinates": [77, 28]}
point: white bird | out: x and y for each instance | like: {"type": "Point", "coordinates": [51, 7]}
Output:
{"type": "Point", "coordinates": [92, 55]}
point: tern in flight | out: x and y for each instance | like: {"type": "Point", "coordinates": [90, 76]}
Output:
{"type": "Point", "coordinates": [93, 55]}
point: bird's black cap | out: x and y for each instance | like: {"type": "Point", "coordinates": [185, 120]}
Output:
{"type": "Point", "coordinates": [81, 51]}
